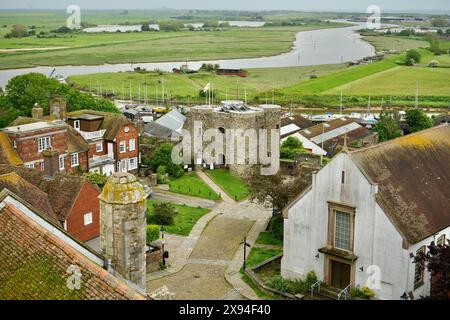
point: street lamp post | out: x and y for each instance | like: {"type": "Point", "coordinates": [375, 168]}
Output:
{"type": "Point", "coordinates": [163, 233]}
{"type": "Point", "coordinates": [246, 244]}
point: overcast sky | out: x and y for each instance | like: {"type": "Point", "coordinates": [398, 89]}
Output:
{"type": "Point", "coordinates": [305, 5]}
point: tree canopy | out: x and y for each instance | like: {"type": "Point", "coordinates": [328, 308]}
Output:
{"type": "Point", "coordinates": [388, 127]}
{"type": "Point", "coordinates": [417, 120]}
{"type": "Point", "coordinates": [24, 91]}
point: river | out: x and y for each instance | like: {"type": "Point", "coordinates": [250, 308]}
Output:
{"type": "Point", "coordinates": [316, 47]}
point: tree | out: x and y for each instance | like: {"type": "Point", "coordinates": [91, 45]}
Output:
{"type": "Point", "coordinates": [290, 148]}
{"type": "Point", "coordinates": [22, 92]}
{"type": "Point", "coordinates": [18, 31]}
{"type": "Point", "coordinates": [388, 127]}
{"type": "Point", "coordinates": [162, 156]}
{"type": "Point", "coordinates": [163, 213]}
{"type": "Point", "coordinates": [169, 25]}
{"type": "Point", "coordinates": [145, 27]}
{"type": "Point", "coordinates": [417, 120]}
{"type": "Point", "coordinates": [437, 261]}
{"type": "Point", "coordinates": [152, 231]}
{"type": "Point", "coordinates": [413, 55]}
{"type": "Point", "coordinates": [277, 190]}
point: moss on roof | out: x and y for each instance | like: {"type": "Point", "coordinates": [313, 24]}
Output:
{"type": "Point", "coordinates": [8, 154]}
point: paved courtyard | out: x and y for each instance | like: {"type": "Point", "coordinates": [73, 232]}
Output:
{"type": "Point", "coordinates": [203, 277]}
{"type": "Point", "coordinates": [205, 265]}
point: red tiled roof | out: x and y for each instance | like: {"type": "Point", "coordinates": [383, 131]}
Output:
{"type": "Point", "coordinates": [34, 265]}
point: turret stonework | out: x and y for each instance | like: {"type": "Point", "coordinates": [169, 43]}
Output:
{"type": "Point", "coordinates": [122, 227]}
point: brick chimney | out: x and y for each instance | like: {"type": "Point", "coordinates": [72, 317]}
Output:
{"type": "Point", "coordinates": [51, 162]}
{"type": "Point", "coordinates": [58, 108]}
{"type": "Point", "coordinates": [37, 112]}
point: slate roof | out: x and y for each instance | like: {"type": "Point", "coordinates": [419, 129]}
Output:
{"type": "Point", "coordinates": [298, 120]}
{"type": "Point", "coordinates": [62, 190]}
{"type": "Point", "coordinates": [8, 154]}
{"type": "Point", "coordinates": [173, 120]}
{"type": "Point", "coordinates": [35, 264]}
{"type": "Point", "coordinates": [413, 177]}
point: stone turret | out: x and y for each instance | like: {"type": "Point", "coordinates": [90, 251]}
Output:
{"type": "Point", "coordinates": [37, 112]}
{"type": "Point", "coordinates": [122, 227]}
{"type": "Point", "coordinates": [58, 108]}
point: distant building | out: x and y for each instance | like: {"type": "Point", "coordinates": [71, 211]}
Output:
{"type": "Point", "coordinates": [167, 126]}
{"type": "Point", "coordinates": [331, 135]}
{"type": "Point", "coordinates": [40, 261]}
{"type": "Point", "coordinates": [232, 72]}
{"type": "Point", "coordinates": [369, 212]}
{"type": "Point", "coordinates": [113, 140]}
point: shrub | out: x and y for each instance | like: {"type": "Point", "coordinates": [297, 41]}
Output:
{"type": "Point", "coordinates": [97, 178]}
{"type": "Point", "coordinates": [433, 64]}
{"type": "Point", "coordinates": [163, 213]}
{"type": "Point", "coordinates": [153, 231]}
{"type": "Point", "coordinates": [278, 283]}
{"type": "Point", "coordinates": [364, 292]}
{"type": "Point", "coordinates": [414, 55]}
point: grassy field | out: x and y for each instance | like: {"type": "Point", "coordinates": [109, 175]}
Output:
{"type": "Point", "coordinates": [383, 43]}
{"type": "Point", "coordinates": [186, 86]}
{"type": "Point", "coordinates": [184, 221]}
{"type": "Point", "coordinates": [91, 49]}
{"type": "Point", "coordinates": [231, 184]}
{"type": "Point", "coordinates": [400, 81]}
{"type": "Point", "coordinates": [191, 185]}
{"type": "Point", "coordinates": [258, 255]}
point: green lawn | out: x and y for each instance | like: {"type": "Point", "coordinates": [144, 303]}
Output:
{"type": "Point", "coordinates": [231, 184]}
{"type": "Point", "coordinates": [185, 220]}
{"type": "Point", "coordinates": [400, 81]}
{"type": "Point", "coordinates": [191, 185]}
{"type": "Point", "coordinates": [266, 237]}
{"type": "Point", "coordinates": [395, 43]}
{"type": "Point", "coordinates": [258, 255]}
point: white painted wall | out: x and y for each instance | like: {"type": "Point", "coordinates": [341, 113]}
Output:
{"type": "Point", "coordinates": [377, 242]}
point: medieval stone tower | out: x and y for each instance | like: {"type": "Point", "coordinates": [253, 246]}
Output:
{"type": "Point", "coordinates": [122, 227]}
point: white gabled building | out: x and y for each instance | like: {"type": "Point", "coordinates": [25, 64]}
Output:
{"type": "Point", "coordinates": [372, 210]}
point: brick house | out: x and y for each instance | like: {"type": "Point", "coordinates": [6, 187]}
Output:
{"type": "Point", "coordinates": [112, 138]}
{"type": "Point", "coordinates": [68, 200]}
{"type": "Point", "coordinates": [30, 137]}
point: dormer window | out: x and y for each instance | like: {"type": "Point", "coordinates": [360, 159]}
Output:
{"type": "Point", "coordinates": [77, 125]}
{"type": "Point", "coordinates": [44, 143]}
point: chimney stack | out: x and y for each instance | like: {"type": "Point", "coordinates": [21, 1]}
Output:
{"type": "Point", "coordinates": [58, 108]}
{"type": "Point", "coordinates": [51, 162]}
{"type": "Point", "coordinates": [122, 228]}
{"type": "Point", "coordinates": [37, 112]}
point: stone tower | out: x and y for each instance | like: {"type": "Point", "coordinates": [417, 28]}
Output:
{"type": "Point", "coordinates": [122, 227]}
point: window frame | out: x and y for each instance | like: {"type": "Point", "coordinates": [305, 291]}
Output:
{"type": "Point", "coordinates": [90, 221]}
{"type": "Point", "coordinates": [47, 143]}
{"type": "Point", "coordinates": [124, 144]}
{"type": "Point", "coordinates": [130, 167]}
{"type": "Point", "coordinates": [332, 208]}
{"type": "Point", "coordinates": [132, 144]}
{"type": "Point", "coordinates": [71, 159]}
{"type": "Point", "coordinates": [61, 160]}
{"type": "Point", "coordinates": [97, 145]}
{"type": "Point", "coordinates": [77, 125]}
